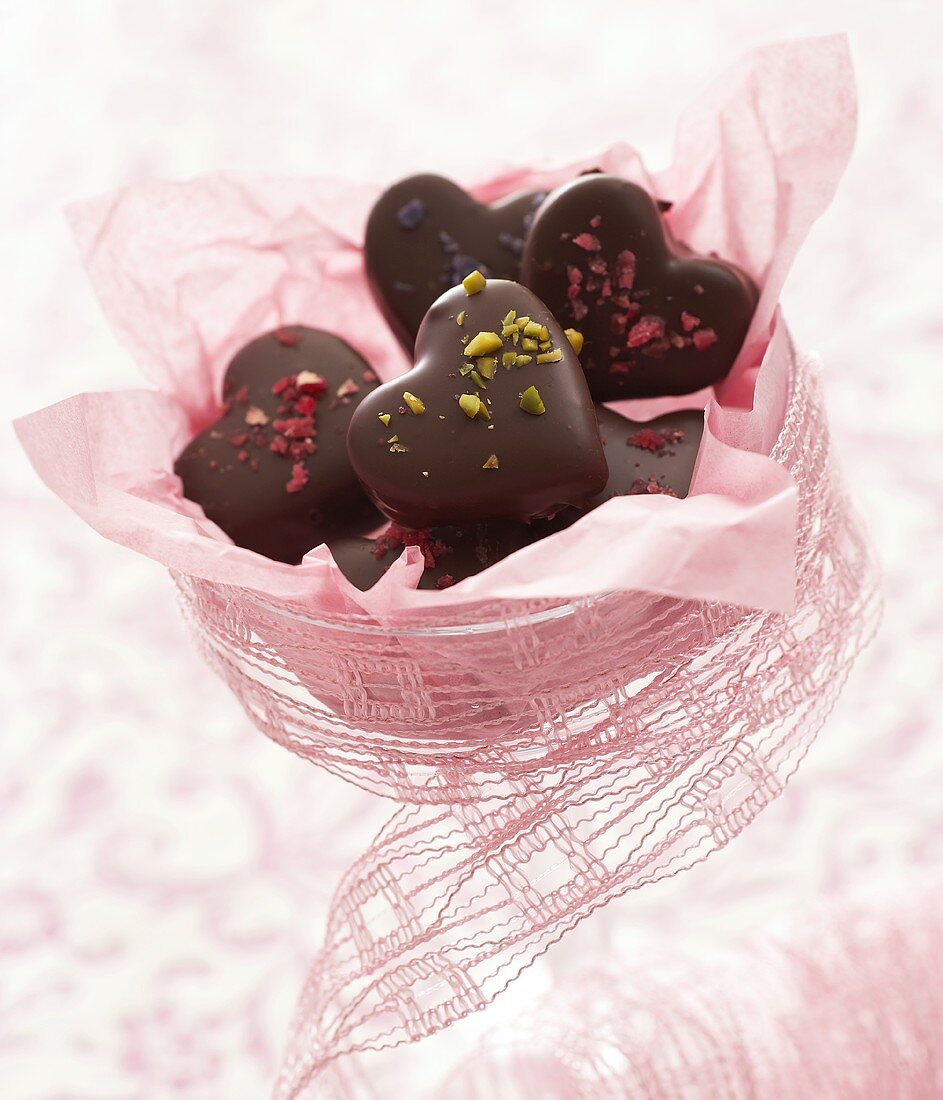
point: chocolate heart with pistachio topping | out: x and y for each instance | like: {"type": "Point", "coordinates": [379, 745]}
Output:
{"type": "Point", "coordinates": [656, 318]}
{"type": "Point", "coordinates": [495, 420]}
{"type": "Point", "coordinates": [273, 470]}
{"type": "Point", "coordinates": [425, 234]}
{"type": "Point", "coordinates": [656, 457]}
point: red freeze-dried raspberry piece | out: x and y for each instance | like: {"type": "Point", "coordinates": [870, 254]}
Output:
{"type": "Point", "coordinates": [703, 338]}
{"type": "Point", "coordinates": [648, 328]}
{"type": "Point", "coordinates": [573, 274]}
{"type": "Point", "coordinates": [650, 487]}
{"type": "Point", "coordinates": [295, 427]}
{"type": "Point", "coordinates": [282, 384]}
{"type": "Point", "coordinates": [242, 395]}
{"type": "Point", "coordinates": [647, 439]}
{"type": "Point", "coordinates": [620, 367]}
{"type": "Point", "coordinates": [243, 456]}
{"type": "Point", "coordinates": [588, 242]}
{"type": "Point", "coordinates": [580, 309]}
{"type": "Point", "coordinates": [618, 322]}
{"type": "Point", "coordinates": [688, 321]}
{"type": "Point", "coordinates": [305, 405]}
{"type": "Point", "coordinates": [279, 445]}
{"type": "Point", "coordinates": [298, 479]}
{"type": "Point", "coordinates": [573, 291]}
{"type": "Point", "coordinates": [287, 339]}
{"type": "Point", "coordinates": [238, 439]}
{"type": "Point", "coordinates": [445, 581]}
{"type": "Point", "coordinates": [598, 266]}
{"type": "Point", "coordinates": [595, 221]}
{"type": "Point", "coordinates": [625, 269]}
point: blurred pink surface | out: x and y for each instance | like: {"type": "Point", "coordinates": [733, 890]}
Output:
{"type": "Point", "coordinates": [165, 871]}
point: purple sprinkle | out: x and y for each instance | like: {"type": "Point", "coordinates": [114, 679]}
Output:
{"type": "Point", "coordinates": [448, 242]}
{"type": "Point", "coordinates": [464, 265]}
{"type": "Point", "coordinates": [511, 243]}
{"type": "Point", "coordinates": [412, 215]}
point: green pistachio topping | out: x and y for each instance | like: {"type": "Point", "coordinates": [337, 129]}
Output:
{"type": "Point", "coordinates": [575, 338]}
{"type": "Point", "coordinates": [474, 282]}
{"type": "Point", "coordinates": [523, 321]}
{"type": "Point", "coordinates": [416, 407]}
{"type": "Point", "coordinates": [470, 403]}
{"type": "Point", "coordinates": [528, 345]}
{"type": "Point", "coordinates": [483, 344]}
{"type": "Point", "coordinates": [523, 360]}
{"type": "Point", "coordinates": [460, 319]}
{"type": "Point", "coordinates": [477, 379]}
{"type": "Point", "coordinates": [384, 419]}
{"type": "Point", "coordinates": [550, 356]}
{"type": "Point", "coordinates": [487, 367]}
{"type": "Point", "coordinates": [393, 439]}
{"type": "Point", "coordinates": [531, 403]}
{"type": "Point", "coordinates": [534, 330]}
{"type": "Point", "coordinates": [508, 359]}
{"type": "Point", "coordinates": [511, 314]}
{"type": "Point", "coordinates": [491, 463]}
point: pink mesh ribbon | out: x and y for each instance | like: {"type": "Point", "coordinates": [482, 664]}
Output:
{"type": "Point", "coordinates": [596, 712]}
{"type": "Point", "coordinates": [550, 758]}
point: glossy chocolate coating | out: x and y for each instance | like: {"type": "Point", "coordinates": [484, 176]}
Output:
{"type": "Point", "coordinates": [656, 318]}
{"type": "Point", "coordinates": [425, 234]}
{"type": "Point", "coordinates": [429, 470]}
{"type": "Point", "coordinates": [654, 457]}
{"type": "Point", "coordinates": [242, 484]}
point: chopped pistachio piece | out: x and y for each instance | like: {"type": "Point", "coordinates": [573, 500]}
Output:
{"type": "Point", "coordinates": [393, 439]}
{"type": "Point", "coordinates": [528, 345]}
{"type": "Point", "coordinates": [508, 330]}
{"type": "Point", "coordinates": [576, 339]}
{"type": "Point", "coordinates": [416, 407]}
{"type": "Point", "coordinates": [491, 463]}
{"type": "Point", "coordinates": [484, 413]}
{"type": "Point", "coordinates": [466, 370]}
{"type": "Point", "coordinates": [474, 282]}
{"type": "Point", "coordinates": [515, 337]}
{"type": "Point", "coordinates": [511, 314]}
{"type": "Point", "coordinates": [477, 379]}
{"type": "Point", "coordinates": [550, 356]}
{"type": "Point", "coordinates": [398, 448]}
{"type": "Point", "coordinates": [460, 319]}
{"type": "Point", "coordinates": [523, 360]}
{"type": "Point", "coordinates": [523, 321]}
{"type": "Point", "coordinates": [545, 345]}
{"type": "Point", "coordinates": [483, 344]}
{"type": "Point", "coordinates": [544, 333]}
{"type": "Point", "coordinates": [508, 358]}
{"type": "Point", "coordinates": [533, 329]}
{"type": "Point", "coordinates": [470, 403]}
{"type": "Point", "coordinates": [487, 367]}
{"type": "Point", "coordinates": [531, 403]}
{"type": "Point", "coordinates": [384, 419]}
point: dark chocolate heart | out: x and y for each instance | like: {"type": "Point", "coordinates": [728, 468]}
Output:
{"type": "Point", "coordinates": [425, 234]}
{"type": "Point", "coordinates": [273, 470]}
{"type": "Point", "coordinates": [656, 318]}
{"type": "Point", "coordinates": [494, 422]}
{"type": "Point", "coordinates": [653, 457]}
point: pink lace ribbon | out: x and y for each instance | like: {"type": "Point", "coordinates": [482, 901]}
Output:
{"type": "Point", "coordinates": [549, 757]}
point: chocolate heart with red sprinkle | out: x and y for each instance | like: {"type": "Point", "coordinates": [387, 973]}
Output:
{"type": "Point", "coordinates": [656, 318]}
{"type": "Point", "coordinates": [495, 421]}
{"type": "Point", "coordinates": [273, 470]}
{"type": "Point", "coordinates": [425, 234]}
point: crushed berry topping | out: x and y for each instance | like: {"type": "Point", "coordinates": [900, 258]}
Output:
{"type": "Point", "coordinates": [298, 479]}
{"type": "Point", "coordinates": [412, 215]}
{"type": "Point", "coordinates": [648, 328]}
{"type": "Point", "coordinates": [445, 581]}
{"type": "Point", "coordinates": [287, 339]}
{"type": "Point", "coordinates": [396, 537]}
{"type": "Point", "coordinates": [703, 338]}
{"type": "Point", "coordinates": [595, 221]}
{"type": "Point", "coordinates": [589, 242]}
{"type": "Point", "coordinates": [651, 487]}
{"type": "Point", "coordinates": [242, 395]}
{"type": "Point", "coordinates": [646, 439]}
{"type": "Point", "coordinates": [688, 321]}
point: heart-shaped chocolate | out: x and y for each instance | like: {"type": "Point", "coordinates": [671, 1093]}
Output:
{"type": "Point", "coordinates": [494, 422]}
{"type": "Point", "coordinates": [656, 318]}
{"type": "Point", "coordinates": [425, 234]}
{"type": "Point", "coordinates": [273, 470]}
{"type": "Point", "coordinates": [655, 457]}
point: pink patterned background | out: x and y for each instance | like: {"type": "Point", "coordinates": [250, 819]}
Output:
{"type": "Point", "coordinates": [164, 870]}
